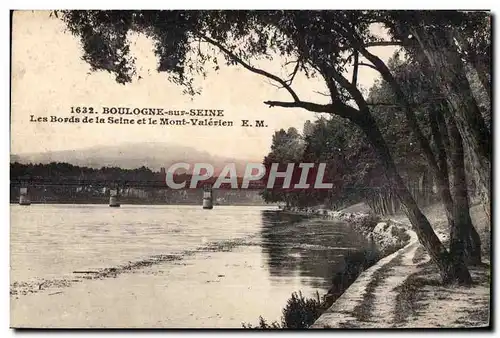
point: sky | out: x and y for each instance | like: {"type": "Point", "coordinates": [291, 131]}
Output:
{"type": "Point", "coordinates": [49, 77]}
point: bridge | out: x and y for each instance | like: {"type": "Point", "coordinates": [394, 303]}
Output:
{"type": "Point", "coordinates": [114, 187]}
{"type": "Point", "coordinates": [42, 182]}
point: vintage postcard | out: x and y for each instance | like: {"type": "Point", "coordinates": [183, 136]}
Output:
{"type": "Point", "coordinates": [270, 169]}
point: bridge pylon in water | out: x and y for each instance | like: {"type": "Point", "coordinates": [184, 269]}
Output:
{"type": "Point", "coordinates": [207, 197]}
{"type": "Point", "coordinates": [113, 198]}
{"type": "Point", "coordinates": [23, 196]}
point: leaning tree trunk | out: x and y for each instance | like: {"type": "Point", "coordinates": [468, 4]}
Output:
{"type": "Point", "coordinates": [483, 78]}
{"type": "Point", "coordinates": [437, 166]}
{"type": "Point", "coordinates": [449, 269]}
{"type": "Point", "coordinates": [482, 70]}
{"type": "Point", "coordinates": [450, 146]}
{"type": "Point", "coordinates": [464, 239]}
{"type": "Point", "coordinates": [441, 172]}
{"type": "Point", "coordinates": [465, 243]}
{"type": "Point", "coordinates": [441, 52]}
{"type": "Point", "coordinates": [480, 64]}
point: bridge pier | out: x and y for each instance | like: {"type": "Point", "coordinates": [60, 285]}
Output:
{"type": "Point", "coordinates": [23, 196]}
{"type": "Point", "coordinates": [113, 198]}
{"type": "Point", "coordinates": [207, 197]}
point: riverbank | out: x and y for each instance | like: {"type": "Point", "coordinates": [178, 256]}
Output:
{"type": "Point", "coordinates": [403, 290]}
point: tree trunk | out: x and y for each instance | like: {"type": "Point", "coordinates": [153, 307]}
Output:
{"type": "Point", "coordinates": [450, 73]}
{"type": "Point", "coordinates": [394, 203]}
{"type": "Point", "coordinates": [450, 270]}
{"type": "Point", "coordinates": [376, 203]}
{"type": "Point", "coordinates": [480, 64]}
{"type": "Point", "coordinates": [438, 167]}
{"type": "Point", "coordinates": [482, 70]}
{"type": "Point", "coordinates": [384, 202]}
{"type": "Point", "coordinates": [441, 174]}
{"type": "Point", "coordinates": [483, 78]}
{"type": "Point", "coordinates": [464, 239]}
{"type": "Point", "coordinates": [450, 146]}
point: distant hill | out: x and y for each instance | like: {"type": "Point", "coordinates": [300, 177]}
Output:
{"type": "Point", "coordinates": [153, 155]}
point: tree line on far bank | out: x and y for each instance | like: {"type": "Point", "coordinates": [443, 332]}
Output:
{"type": "Point", "coordinates": [430, 91]}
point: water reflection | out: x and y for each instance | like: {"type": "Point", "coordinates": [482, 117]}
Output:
{"type": "Point", "coordinates": [312, 248]}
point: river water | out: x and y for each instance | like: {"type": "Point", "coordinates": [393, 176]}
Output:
{"type": "Point", "coordinates": [166, 266]}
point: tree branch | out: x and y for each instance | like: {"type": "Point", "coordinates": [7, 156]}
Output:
{"type": "Point", "coordinates": [252, 69]}
{"type": "Point", "coordinates": [383, 104]}
{"type": "Point", "coordinates": [292, 75]}
{"type": "Point", "coordinates": [356, 66]}
{"type": "Point", "coordinates": [382, 43]}
{"type": "Point", "coordinates": [368, 65]}
{"type": "Point", "coordinates": [334, 93]}
{"type": "Point", "coordinates": [338, 108]}
{"type": "Point", "coordinates": [323, 94]}
{"type": "Point", "coordinates": [314, 107]}
{"type": "Point", "coordinates": [352, 89]}
{"type": "Point", "coordinates": [374, 44]}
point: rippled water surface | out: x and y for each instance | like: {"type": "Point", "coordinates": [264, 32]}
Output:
{"type": "Point", "coordinates": [236, 257]}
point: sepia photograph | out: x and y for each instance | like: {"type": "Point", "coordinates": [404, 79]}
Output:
{"type": "Point", "coordinates": [250, 169]}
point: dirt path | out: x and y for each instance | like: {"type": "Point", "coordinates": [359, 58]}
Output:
{"type": "Point", "coordinates": [386, 293]}
{"type": "Point", "coordinates": [403, 290]}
